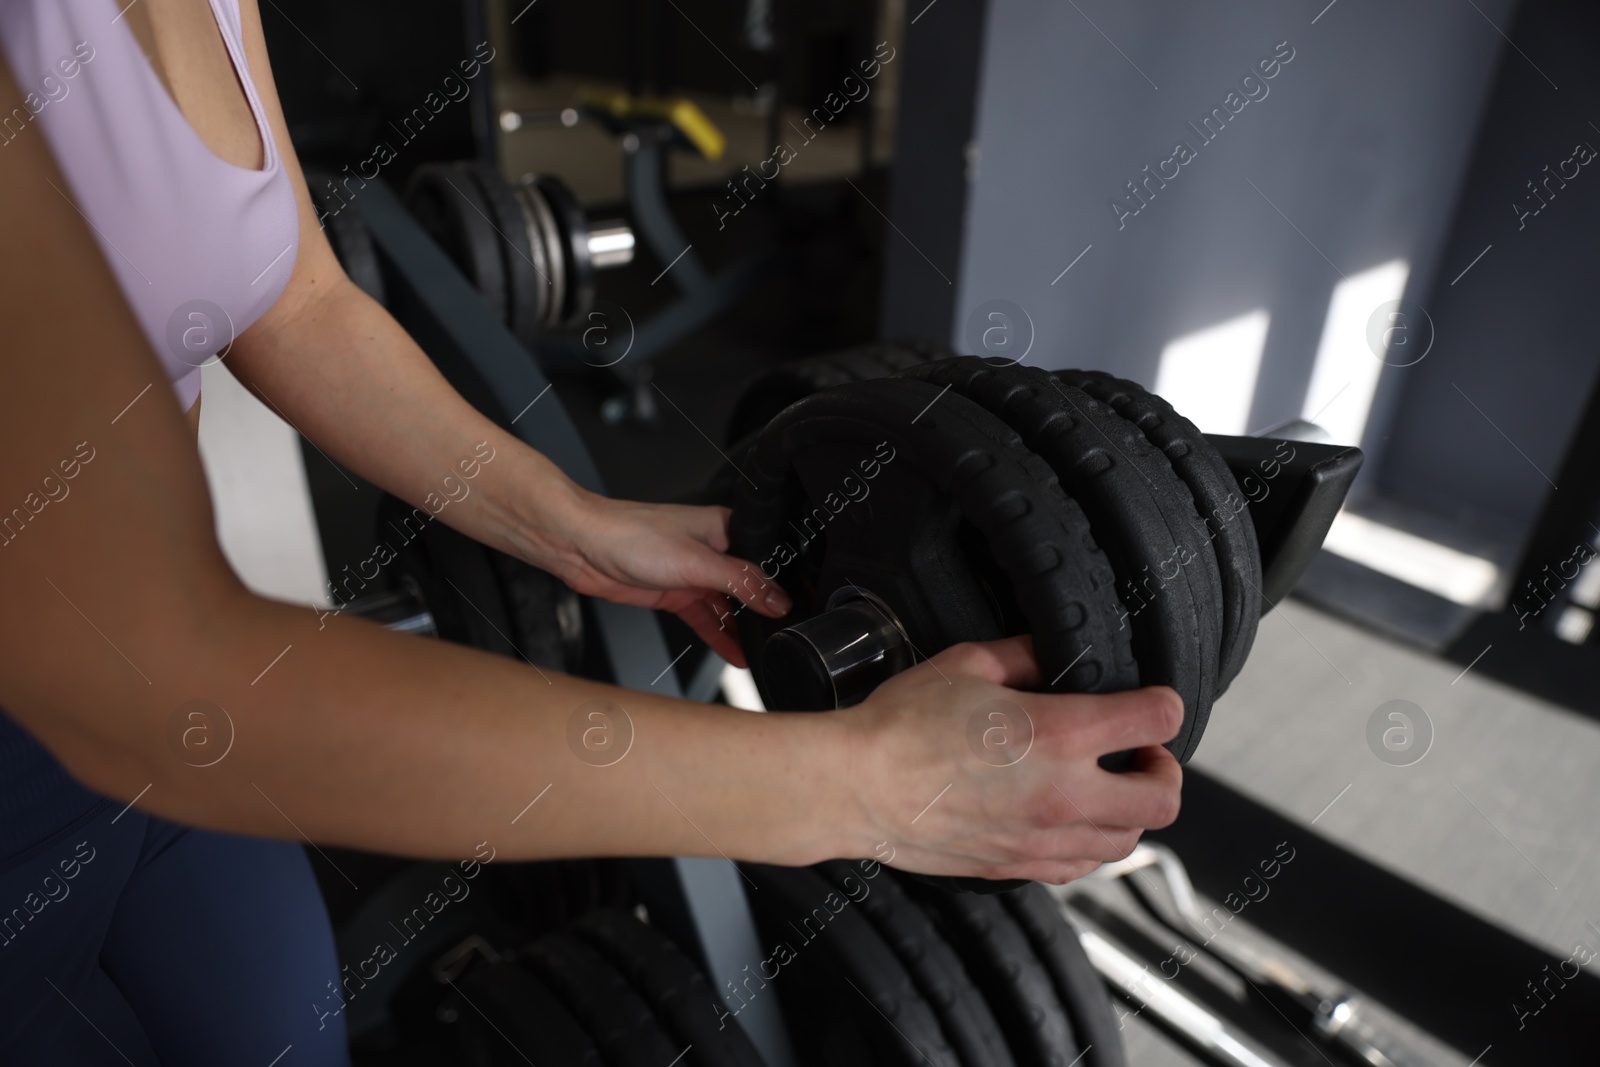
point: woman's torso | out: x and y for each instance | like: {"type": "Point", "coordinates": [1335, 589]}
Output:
{"type": "Point", "coordinates": [200, 232]}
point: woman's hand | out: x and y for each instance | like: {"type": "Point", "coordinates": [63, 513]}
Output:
{"type": "Point", "coordinates": [960, 775]}
{"type": "Point", "coordinates": [667, 556]}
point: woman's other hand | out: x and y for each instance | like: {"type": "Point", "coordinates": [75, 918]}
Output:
{"type": "Point", "coordinates": [671, 557]}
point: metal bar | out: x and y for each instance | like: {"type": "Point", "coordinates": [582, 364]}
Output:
{"type": "Point", "coordinates": [1173, 1007]}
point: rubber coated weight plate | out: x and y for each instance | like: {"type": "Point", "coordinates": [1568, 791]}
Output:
{"type": "Point", "coordinates": [511, 1017]}
{"type": "Point", "coordinates": [1080, 987]}
{"type": "Point", "coordinates": [1140, 513]}
{"type": "Point", "coordinates": [933, 965]}
{"type": "Point", "coordinates": [520, 298]}
{"type": "Point", "coordinates": [722, 489]}
{"type": "Point", "coordinates": [452, 573]}
{"type": "Point", "coordinates": [870, 484]}
{"type": "Point", "coordinates": [775, 390]}
{"type": "Point", "coordinates": [574, 229]}
{"type": "Point", "coordinates": [477, 596]}
{"type": "Point", "coordinates": [876, 1016]}
{"type": "Point", "coordinates": [1222, 507]}
{"type": "Point", "coordinates": [935, 506]}
{"type": "Point", "coordinates": [545, 616]}
{"type": "Point", "coordinates": [1002, 963]}
{"type": "Point", "coordinates": [673, 987]}
{"type": "Point", "coordinates": [446, 201]}
{"type": "Point", "coordinates": [620, 1024]}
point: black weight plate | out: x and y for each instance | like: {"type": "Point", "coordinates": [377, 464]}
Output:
{"type": "Point", "coordinates": [1222, 507]}
{"type": "Point", "coordinates": [511, 1018]}
{"type": "Point", "coordinates": [674, 988]}
{"type": "Point", "coordinates": [722, 488]}
{"type": "Point", "coordinates": [1003, 965]}
{"type": "Point", "coordinates": [933, 965]}
{"type": "Point", "coordinates": [522, 280]}
{"type": "Point", "coordinates": [478, 596]}
{"type": "Point", "coordinates": [452, 573]}
{"type": "Point", "coordinates": [771, 392]}
{"type": "Point", "coordinates": [545, 617]}
{"type": "Point", "coordinates": [448, 204]}
{"type": "Point", "coordinates": [945, 448]}
{"type": "Point", "coordinates": [621, 1025]}
{"type": "Point", "coordinates": [1030, 564]}
{"type": "Point", "coordinates": [1080, 987]}
{"type": "Point", "coordinates": [575, 232]}
{"type": "Point", "coordinates": [1139, 511]}
{"type": "Point", "coordinates": [877, 1004]}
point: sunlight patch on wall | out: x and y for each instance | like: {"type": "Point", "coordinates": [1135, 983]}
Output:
{"type": "Point", "coordinates": [1344, 378]}
{"type": "Point", "coordinates": [1209, 376]}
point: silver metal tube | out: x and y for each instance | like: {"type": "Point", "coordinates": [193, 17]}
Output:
{"type": "Point", "coordinates": [610, 244]}
{"type": "Point", "coordinates": [1173, 1006]}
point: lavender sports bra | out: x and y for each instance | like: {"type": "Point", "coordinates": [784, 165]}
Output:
{"type": "Point", "coordinates": [200, 247]}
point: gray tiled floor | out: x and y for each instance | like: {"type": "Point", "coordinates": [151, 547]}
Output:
{"type": "Point", "coordinates": [1498, 817]}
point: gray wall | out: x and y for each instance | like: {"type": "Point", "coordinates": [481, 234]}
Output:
{"type": "Point", "coordinates": [1362, 141]}
{"type": "Point", "coordinates": [1518, 332]}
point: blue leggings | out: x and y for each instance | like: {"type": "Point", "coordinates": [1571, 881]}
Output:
{"type": "Point", "coordinates": [130, 939]}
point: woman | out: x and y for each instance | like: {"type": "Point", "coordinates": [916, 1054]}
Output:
{"type": "Point", "coordinates": [159, 911]}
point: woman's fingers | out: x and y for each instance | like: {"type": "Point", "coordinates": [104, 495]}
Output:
{"type": "Point", "coordinates": [1009, 661]}
{"type": "Point", "coordinates": [1048, 811]}
{"type": "Point", "coordinates": [672, 547]}
{"type": "Point", "coordinates": [1110, 722]}
{"type": "Point", "coordinates": [1147, 799]}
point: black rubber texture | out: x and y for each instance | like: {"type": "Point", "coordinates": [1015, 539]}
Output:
{"type": "Point", "coordinates": [448, 203]}
{"type": "Point", "coordinates": [621, 1025]}
{"type": "Point", "coordinates": [1061, 579]}
{"type": "Point", "coordinates": [451, 572]}
{"type": "Point", "coordinates": [510, 1017]}
{"type": "Point", "coordinates": [546, 617]}
{"type": "Point", "coordinates": [775, 390]}
{"type": "Point", "coordinates": [933, 965]}
{"type": "Point", "coordinates": [1078, 985]}
{"type": "Point", "coordinates": [522, 281]}
{"type": "Point", "coordinates": [674, 988]}
{"type": "Point", "coordinates": [1140, 513]}
{"type": "Point", "coordinates": [1222, 506]}
{"type": "Point", "coordinates": [1038, 537]}
{"type": "Point", "coordinates": [1003, 964]}
{"type": "Point", "coordinates": [902, 1025]}
{"type": "Point", "coordinates": [722, 489]}
{"type": "Point", "coordinates": [480, 597]}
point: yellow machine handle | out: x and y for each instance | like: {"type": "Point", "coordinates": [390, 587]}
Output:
{"type": "Point", "coordinates": [683, 114]}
